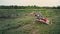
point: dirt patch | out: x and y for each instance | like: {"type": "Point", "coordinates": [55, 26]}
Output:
{"type": "Point", "coordinates": [33, 28]}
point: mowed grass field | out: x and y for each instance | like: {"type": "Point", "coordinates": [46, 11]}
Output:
{"type": "Point", "coordinates": [17, 21]}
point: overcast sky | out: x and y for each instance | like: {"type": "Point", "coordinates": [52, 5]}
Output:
{"type": "Point", "coordinates": [31, 2]}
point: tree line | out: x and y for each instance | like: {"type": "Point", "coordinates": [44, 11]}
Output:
{"type": "Point", "coordinates": [28, 7]}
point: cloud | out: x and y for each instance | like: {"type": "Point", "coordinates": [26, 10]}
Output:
{"type": "Point", "coordinates": [30, 2]}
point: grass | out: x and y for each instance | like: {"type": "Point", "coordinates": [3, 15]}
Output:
{"type": "Point", "coordinates": [16, 21]}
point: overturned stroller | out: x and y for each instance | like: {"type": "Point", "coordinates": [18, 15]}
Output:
{"type": "Point", "coordinates": [40, 18]}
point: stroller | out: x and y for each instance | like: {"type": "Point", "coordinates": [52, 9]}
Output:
{"type": "Point", "coordinates": [42, 19]}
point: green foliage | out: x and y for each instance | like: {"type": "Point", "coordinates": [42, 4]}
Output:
{"type": "Point", "coordinates": [23, 23]}
{"type": "Point", "coordinates": [27, 7]}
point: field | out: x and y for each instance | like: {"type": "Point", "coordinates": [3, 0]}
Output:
{"type": "Point", "coordinates": [18, 21]}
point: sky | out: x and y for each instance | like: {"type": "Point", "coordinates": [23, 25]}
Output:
{"type": "Point", "coordinates": [31, 2]}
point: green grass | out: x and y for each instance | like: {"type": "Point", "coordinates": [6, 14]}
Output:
{"type": "Point", "coordinates": [16, 21]}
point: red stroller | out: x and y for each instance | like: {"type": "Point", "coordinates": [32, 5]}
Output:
{"type": "Point", "coordinates": [42, 19]}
